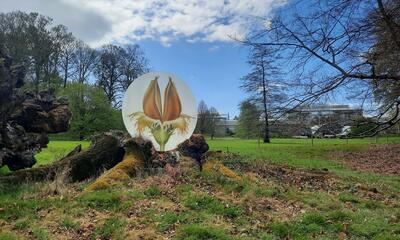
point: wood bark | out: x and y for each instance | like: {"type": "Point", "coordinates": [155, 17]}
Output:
{"type": "Point", "coordinates": [103, 154]}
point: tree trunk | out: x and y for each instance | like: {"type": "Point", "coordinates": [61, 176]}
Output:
{"type": "Point", "coordinates": [103, 154]}
{"type": "Point", "coordinates": [37, 77]}
{"type": "Point", "coordinates": [266, 127]}
{"type": "Point", "coordinates": [266, 132]}
{"type": "Point", "coordinates": [107, 151]}
{"type": "Point", "coordinates": [389, 23]}
{"type": "Point", "coordinates": [132, 164]}
{"type": "Point", "coordinates": [66, 71]}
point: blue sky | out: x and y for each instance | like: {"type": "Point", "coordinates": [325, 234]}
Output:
{"type": "Point", "coordinates": [190, 38]}
{"type": "Point", "coordinates": [212, 70]}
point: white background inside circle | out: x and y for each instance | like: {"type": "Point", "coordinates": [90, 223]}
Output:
{"type": "Point", "coordinates": [133, 102]}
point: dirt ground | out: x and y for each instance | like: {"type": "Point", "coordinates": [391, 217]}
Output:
{"type": "Point", "coordinates": [378, 158]}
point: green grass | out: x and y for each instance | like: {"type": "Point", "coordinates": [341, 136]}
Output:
{"type": "Point", "coordinates": [199, 232]}
{"type": "Point", "coordinates": [101, 200]}
{"type": "Point", "coordinates": [111, 229]}
{"type": "Point", "coordinates": [54, 151]}
{"type": "Point", "coordinates": [296, 152]}
{"type": "Point", "coordinates": [211, 206]}
{"type": "Point", "coordinates": [302, 153]}
{"type": "Point", "coordinates": [68, 223]}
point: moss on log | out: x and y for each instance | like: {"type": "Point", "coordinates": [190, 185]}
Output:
{"type": "Point", "coordinates": [132, 163]}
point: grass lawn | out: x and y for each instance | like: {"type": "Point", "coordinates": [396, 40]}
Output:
{"type": "Point", "coordinates": [54, 151]}
{"type": "Point", "coordinates": [303, 153]}
{"type": "Point", "coordinates": [278, 196]}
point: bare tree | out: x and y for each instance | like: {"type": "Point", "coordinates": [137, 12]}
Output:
{"type": "Point", "coordinates": [116, 68]}
{"type": "Point", "coordinates": [202, 112]}
{"type": "Point", "coordinates": [109, 72]}
{"type": "Point", "coordinates": [134, 64]}
{"type": "Point", "coordinates": [213, 121]}
{"type": "Point", "coordinates": [84, 60]}
{"type": "Point", "coordinates": [263, 85]}
{"type": "Point", "coordinates": [66, 44]}
{"type": "Point", "coordinates": [331, 48]}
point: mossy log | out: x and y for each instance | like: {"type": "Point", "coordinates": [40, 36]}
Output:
{"type": "Point", "coordinates": [131, 165]}
{"type": "Point", "coordinates": [103, 154]}
{"type": "Point", "coordinates": [122, 156]}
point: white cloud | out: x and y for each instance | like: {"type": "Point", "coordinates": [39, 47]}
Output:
{"type": "Point", "coordinates": [161, 20]}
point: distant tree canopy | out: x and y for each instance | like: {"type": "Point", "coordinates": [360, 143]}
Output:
{"type": "Point", "coordinates": [91, 111]}
{"type": "Point", "coordinates": [249, 124]}
{"type": "Point", "coordinates": [207, 119]}
{"type": "Point", "coordinates": [94, 80]}
{"type": "Point", "coordinates": [350, 48]}
{"type": "Point", "coordinates": [116, 69]}
{"type": "Point", "coordinates": [53, 57]}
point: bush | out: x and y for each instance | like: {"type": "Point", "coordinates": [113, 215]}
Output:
{"type": "Point", "coordinates": [91, 111]}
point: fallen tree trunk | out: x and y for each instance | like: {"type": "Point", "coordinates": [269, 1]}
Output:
{"type": "Point", "coordinates": [103, 154]}
{"type": "Point", "coordinates": [107, 151]}
{"type": "Point", "coordinates": [131, 166]}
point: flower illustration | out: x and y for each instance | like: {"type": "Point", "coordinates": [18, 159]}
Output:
{"type": "Point", "coordinates": [162, 120]}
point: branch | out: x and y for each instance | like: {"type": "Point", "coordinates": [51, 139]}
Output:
{"type": "Point", "coordinates": [389, 23]}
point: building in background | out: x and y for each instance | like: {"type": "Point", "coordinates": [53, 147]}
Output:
{"type": "Point", "coordinates": [225, 125]}
{"type": "Point", "coordinates": [317, 120]}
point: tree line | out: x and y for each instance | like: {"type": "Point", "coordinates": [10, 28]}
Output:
{"type": "Point", "coordinates": [53, 56]}
{"type": "Point", "coordinates": [94, 79]}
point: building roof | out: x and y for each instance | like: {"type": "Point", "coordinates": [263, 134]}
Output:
{"type": "Point", "coordinates": [319, 108]}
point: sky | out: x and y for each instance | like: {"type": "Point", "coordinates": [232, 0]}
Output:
{"type": "Point", "coordinates": [192, 39]}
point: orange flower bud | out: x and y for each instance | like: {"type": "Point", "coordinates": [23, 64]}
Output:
{"type": "Point", "coordinates": [172, 103]}
{"type": "Point", "coordinates": [152, 101]}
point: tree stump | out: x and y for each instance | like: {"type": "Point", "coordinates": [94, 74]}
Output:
{"type": "Point", "coordinates": [26, 118]}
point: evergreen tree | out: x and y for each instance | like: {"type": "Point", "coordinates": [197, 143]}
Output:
{"type": "Point", "coordinates": [249, 120]}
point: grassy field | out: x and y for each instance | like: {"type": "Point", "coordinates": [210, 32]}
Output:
{"type": "Point", "coordinates": [287, 189]}
{"type": "Point", "coordinates": [55, 150]}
